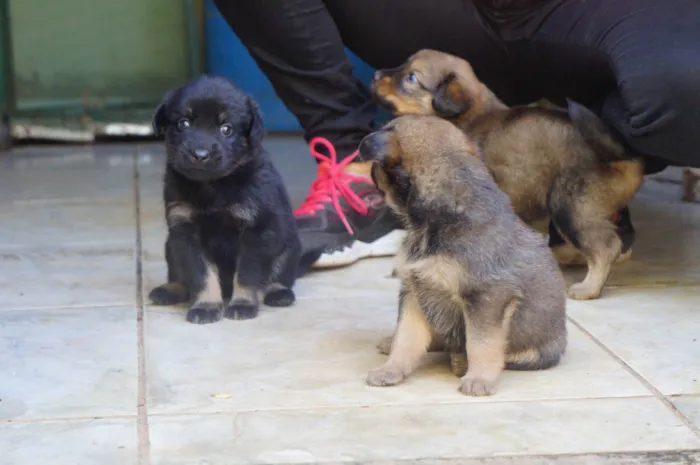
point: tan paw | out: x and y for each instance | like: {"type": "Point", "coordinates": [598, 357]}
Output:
{"type": "Point", "coordinates": [385, 376]}
{"type": "Point", "coordinates": [384, 346]}
{"type": "Point", "coordinates": [583, 291]}
{"type": "Point", "coordinates": [473, 385]}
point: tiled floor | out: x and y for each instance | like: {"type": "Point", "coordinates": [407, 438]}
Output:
{"type": "Point", "coordinates": [90, 373]}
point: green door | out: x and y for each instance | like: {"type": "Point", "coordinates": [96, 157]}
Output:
{"type": "Point", "coordinates": [94, 59]}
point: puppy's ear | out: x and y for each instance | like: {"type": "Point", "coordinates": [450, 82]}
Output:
{"type": "Point", "coordinates": [400, 181]}
{"type": "Point", "coordinates": [256, 129]}
{"type": "Point", "coordinates": [375, 146]}
{"type": "Point", "coordinates": [449, 100]}
{"type": "Point", "coordinates": [160, 118]}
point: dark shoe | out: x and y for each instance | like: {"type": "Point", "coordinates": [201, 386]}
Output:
{"type": "Point", "coordinates": [344, 218]}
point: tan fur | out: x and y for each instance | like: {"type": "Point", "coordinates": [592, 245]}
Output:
{"type": "Point", "coordinates": [486, 351]}
{"type": "Point", "coordinates": [242, 292]}
{"type": "Point", "coordinates": [178, 213]}
{"type": "Point", "coordinates": [475, 280]}
{"type": "Point", "coordinates": [361, 168]}
{"type": "Point", "coordinates": [409, 345]}
{"type": "Point", "coordinates": [211, 292]}
{"type": "Point", "coordinates": [534, 153]}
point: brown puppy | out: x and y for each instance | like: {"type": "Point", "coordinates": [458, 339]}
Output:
{"type": "Point", "coordinates": [475, 278]}
{"type": "Point", "coordinates": [563, 165]}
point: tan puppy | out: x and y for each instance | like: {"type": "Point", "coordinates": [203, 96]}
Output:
{"type": "Point", "coordinates": [563, 165]}
{"type": "Point", "coordinates": [475, 278]}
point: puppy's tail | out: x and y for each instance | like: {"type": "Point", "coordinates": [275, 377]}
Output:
{"type": "Point", "coordinates": [542, 358]}
{"type": "Point", "coordinates": [598, 135]}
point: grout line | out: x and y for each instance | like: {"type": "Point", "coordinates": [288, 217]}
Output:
{"type": "Point", "coordinates": [307, 408]}
{"type": "Point", "coordinates": [105, 417]}
{"type": "Point", "coordinates": [653, 389]}
{"type": "Point", "coordinates": [144, 444]}
{"type": "Point", "coordinates": [69, 307]}
{"type": "Point", "coordinates": [318, 408]}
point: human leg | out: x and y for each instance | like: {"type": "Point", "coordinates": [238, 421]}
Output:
{"type": "Point", "coordinates": [634, 62]}
{"type": "Point", "coordinates": [643, 58]}
{"type": "Point", "coordinates": [299, 45]}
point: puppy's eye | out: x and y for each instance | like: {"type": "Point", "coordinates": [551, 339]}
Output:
{"type": "Point", "coordinates": [183, 124]}
{"type": "Point", "coordinates": [411, 78]}
{"type": "Point", "coordinates": [226, 130]}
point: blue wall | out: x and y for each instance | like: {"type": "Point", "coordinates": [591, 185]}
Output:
{"type": "Point", "coordinates": [226, 56]}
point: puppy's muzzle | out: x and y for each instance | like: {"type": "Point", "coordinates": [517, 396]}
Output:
{"type": "Point", "coordinates": [382, 73]}
{"type": "Point", "coordinates": [380, 86]}
{"type": "Point", "coordinates": [374, 146]}
{"type": "Point", "coordinates": [200, 155]}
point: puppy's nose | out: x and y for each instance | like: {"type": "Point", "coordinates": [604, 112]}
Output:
{"type": "Point", "coordinates": [201, 154]}
{"type": "Point", "coordinates": [368, 147]}
{"type": "Point", "coordinates": [377, 75]}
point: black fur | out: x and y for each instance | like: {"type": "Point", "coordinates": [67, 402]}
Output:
{"type": "Point", "coordinates": [607, 144]}
{"type": "Point", "coordinates": [228, 208]}
{"type": "Point", "coordinates": [562, 219]}
{"type": "Point", "coordinates": [625, 230]}
{"type": "Point", "coordinates": [444, 104]}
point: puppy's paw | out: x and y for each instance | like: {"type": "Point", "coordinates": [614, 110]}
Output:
{"type": "Point", "coordinates": [204, 312]}
{"type": "Point", "coordinates": [384, 346]}
{"type": "Point", "coordinates": [459, 363]}
{"type": "Point", "coordinates": [385, 376]}
{"type": "Point", "coordinates": [242, 309]}
{"type": "Point", "coordinates": [475, 385]}
{"type": "Point", "coordinates": [624, 256]}
{"type": "Point", "coordinates": [280, 297]}
{"type": "Point", "coordinates": [168, 294]}
{"type": "Point", "coordinates": [584, 291]}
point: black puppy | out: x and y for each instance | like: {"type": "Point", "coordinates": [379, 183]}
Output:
{"type": "Point", "coordinates": [231, 231]}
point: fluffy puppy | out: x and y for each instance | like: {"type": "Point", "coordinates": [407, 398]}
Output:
{"type": "Point", "coordinates": [566, 166]}
{"type": "Point", "coordinates": [476, 280]}
{"type": "Point", "coordinates": [231, 232]}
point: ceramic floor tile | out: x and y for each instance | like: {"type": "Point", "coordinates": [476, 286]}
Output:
{"type": "Point", "coordinates": [656, 331]}
{"type": "Point", "coordinates": [67, 277]}
{"type": "Point", "coordinates": [318, 353]}
{"type": "Point", "coordinates": [154, 229]}
{"type": "Point", "coordinates": [68, 363]}
{"type": "Point", "coordinates": [151, 166]}
{"type": "Point", "coordinates": [690, 407]}
{"type": "Point", "coordinates": [66, 173]}
{"type": "Point", "coordinates": [419, 431]}
{"type": "Point", "coordinates": [368, 278]}
{"type": "Point", "coordinates": [93, 442]}
{"type": "Point", "coordinates": [82, 224]}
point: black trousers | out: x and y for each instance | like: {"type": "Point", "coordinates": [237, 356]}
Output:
{"type": "Point", "coordinates": [635, 62]}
